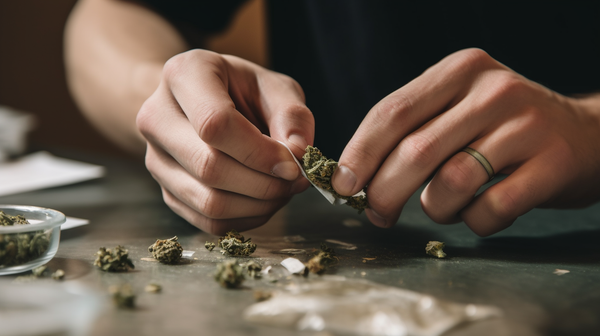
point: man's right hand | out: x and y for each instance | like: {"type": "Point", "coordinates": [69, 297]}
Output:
{"type": "Point", "coordinates": [212, 128]}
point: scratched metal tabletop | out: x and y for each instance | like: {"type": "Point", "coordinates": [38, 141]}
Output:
{"type": "Point", "coordinates": [512, 270]}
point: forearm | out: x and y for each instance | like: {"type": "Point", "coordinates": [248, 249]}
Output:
{"type": "Point", "coordinates": [114, 53]}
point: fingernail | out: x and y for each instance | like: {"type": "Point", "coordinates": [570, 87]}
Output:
{"type": "Point", "coordinates": [344, 180]}
{"type": "Point", "coordinates": [375, 218]}
{"type": "Point", "coordinates": [286, 170]}
{"type": "Point", "coordinates": [298, 140]}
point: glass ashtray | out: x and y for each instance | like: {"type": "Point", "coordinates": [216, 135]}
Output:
{"type": "Point", "coordinates": [24, 247]}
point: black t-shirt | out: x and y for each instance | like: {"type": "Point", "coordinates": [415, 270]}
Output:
{"type": "Point", "coordinates": [347, 55]}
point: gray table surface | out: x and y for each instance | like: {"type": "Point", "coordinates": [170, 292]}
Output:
{"type": "Point", "coordinates": [512, 270]}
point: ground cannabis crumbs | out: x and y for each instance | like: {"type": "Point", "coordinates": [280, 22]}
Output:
{"type": "Point", "coordinates": [234, 245]}
{"type": "Point", "coordinates": [229, 274]}
{"type": "Point", "coordinates": [435, 248]}
{"type": "Point", "coordinates": [40, 272]}
{"type": "Point", "coordinates": [113, 261]}
{"type": "Point", "coordinates": [153, 287]}
{"type": "Point", "coordinates": [122, 296]}
{"type": "Point", "coordinates": [318, 263]}
{"type": "Point", "coordinates": [167, 251]}
{"type": "Point", "coordinates": [20, 248]}
{"type": "Point", "coordinates": [319, 171]}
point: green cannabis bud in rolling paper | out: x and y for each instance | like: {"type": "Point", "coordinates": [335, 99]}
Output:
{"type": "Point", "coordinates": [122, 296]}
{"type": "Point", "coordinates": [435, 248]}
{"type": "Point", "coordinates": [229, 274]}
{"type": "Point", "coordinates": [113, 261]}
{"type": "Point", "coordinates": [319, 170]}
{"type": "Point", "coordinates": [167, 251]}
{"type": "Point", "coordinates": [318, 263]}
{"type": "Point", "coordinates": [19, 248]}
{"type": "Point", "coordinates": [233, 244]}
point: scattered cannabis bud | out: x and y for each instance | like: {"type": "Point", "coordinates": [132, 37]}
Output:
{"type": "Point", "coordinates": [254, 269]}
{"type": "Point", "coordinates": [262, 295]}
{"type": "Point", "coordinates": [229, 274]}
{"type": "Point", "coordinates": [319, 171]}
{"type": "Point", "coordinates": [113, 261]}
{"type": "Point", "coordinates": [38, 271]}
{"type": "Point", "coordinates": [318, 263]}
{"type": "Point", "coordinates": [233, 244]}
{"type": "Point", "coordinates": [153, 287]}
{"type": "Point", "coordinates": [166, 251]}
{"type": "Point", "coordinates": [210, 246]}
{"type": "Point", "coordinates": [8, 220]}
{"type": "Point", "coordinates": [19, 248]}
{"type": "Point", "coordinates": [435, 248]}
{"type": "Point", "coordinates": [122, 296]}
{"type": "Point", "coordinates": [58, 275]}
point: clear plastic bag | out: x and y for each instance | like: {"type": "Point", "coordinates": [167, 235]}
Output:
{"type": "Point", "coordinates": [361, 307]}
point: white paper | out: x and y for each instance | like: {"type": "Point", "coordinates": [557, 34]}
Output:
{"type": "Point", "coordinates": [43, 170]}
{"type": "Point", "coordinates": [293, 265]}
{"type": "Point", "coordinates": [73, 222]}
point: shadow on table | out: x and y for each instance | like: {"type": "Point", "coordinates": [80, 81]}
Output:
{"type": "Point", "coordinates": [579, 247]}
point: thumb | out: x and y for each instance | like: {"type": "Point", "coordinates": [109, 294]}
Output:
{"type": "Point", "coordinates": [286, 114]}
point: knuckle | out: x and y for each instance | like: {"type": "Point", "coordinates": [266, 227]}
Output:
{"type": "Point", "coordinates": [213, 205]}
{"type": "Point", "coordinates": [393, 108]}
{"type": "Point", "coordinates": [272, 190]}
{"type": "Point", "coordinates": [207, 167]}
{"type": "Point", "coordinates": [145, 118]}
{"type": "Point", "coordinates": [419, 151]}
{"type": "Point", "coordinates": [380, 201]}
{"type": "Point", "coordinates": [507, 85]}
{"type": "Point", "coordinates": [503, 205]}
{"type": "Point", "coordinates": [213, 123]}
{"type": "Point", "coordinates": [457, 176]}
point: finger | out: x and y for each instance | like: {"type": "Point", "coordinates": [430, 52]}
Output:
{"type": "Point", "coordinates": [285, 112]}
{"type": "Point", "coordinates": [402, 112]}
{"type": "Point", "coordinates": [214, 169]}
{"type": "Point", "coordinates": [499, 206]}
{"type": "Point", "coordinates": [457, 181]}
{"type": "Point", "coordinates": [210, 202]}
{"type": "Point", "coordinates": [202, 89]}
{"type": "Point", "coordinates": [211, 225]}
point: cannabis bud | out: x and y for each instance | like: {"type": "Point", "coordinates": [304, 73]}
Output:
{"type": "Point", "coordinates": [166, 251]}
{"type": "Point", "coordinates": [319, 171]}
{"type": "Point", "coordinates": [153, 287]}
{"type": "Point", "coordinates": [253, 268]}
{"type": "Point", "coordinates": [19, 248]}
{"type": "Point", "coordinates": [325, 257]}
{"type": "Point", "coordinates": [122, 296]}
{"type": "Point", "coordinates": [435, 248]}
{"type": "Point", "coordinates": [8, 220]}
{"type": "Point", "coordinates": [209, 246]}
{"type": "Point", "coordinates": [113, 261]}
{"type": "Point", "coordinates": [233, 244]}
{"type": "Point", "coordinates": [229, 274]}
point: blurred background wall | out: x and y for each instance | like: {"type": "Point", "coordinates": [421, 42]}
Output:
{"type": "Point", "coordinates": [32, 72]}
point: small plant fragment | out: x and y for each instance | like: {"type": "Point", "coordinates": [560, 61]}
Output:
{"type": "Point", "coordinates": [58, 275]}
{"type": "Point", "coordinates": [167, 251]}
{"type": "Point", "coordinates": [19, 248]}
{"type": "Point", "coordinates": [116, 260]}
{"type": "Point", "coordinates": [262, 295]}
{"type": "Point", "coordinates": [559, 271]}
{"type": "Point", "coordinates": [318, 263]}
{"type": "Point", "coordinates": [253, 268]}
{"type": "Point", "coordinates": [233, 244]}
{"type": "Point", "coordinates": [319, 170]}
{"type": "Point", "coordinates": [435, 248]}
{"type": "Point", "coordinates": [229, 274]}
{"type": "Point", "coordinates": [122, 296]}
{"type": "Point", "coordinates": [153, 287]}
{"type": "Point", "coordinates": [210, 246]}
